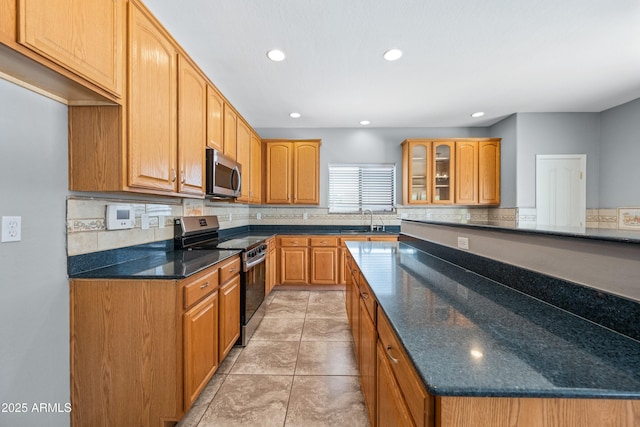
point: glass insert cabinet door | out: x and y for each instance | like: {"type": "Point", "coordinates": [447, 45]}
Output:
{"type": "Point", "coordinates": [420, 156]}
{"type": "Point", "coordinates": [443, 175]}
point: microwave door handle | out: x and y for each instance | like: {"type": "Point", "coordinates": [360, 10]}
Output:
{"type": "Point", "coordinates": [236, 171]}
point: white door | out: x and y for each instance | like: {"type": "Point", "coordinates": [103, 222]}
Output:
{"type": "Point", "coordinates": [561, 190]}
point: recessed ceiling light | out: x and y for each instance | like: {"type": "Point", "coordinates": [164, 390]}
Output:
{"type": "Point", "coordinates": [392, 54]}
{"type": "Point", "coordinates": [365, 122]}
{"type": "Point", "coordinates": [477, 114]}
{"type": "Point", "coordinates": [276, 55]}
{"type": "Point", "coordinates": [294, 115]}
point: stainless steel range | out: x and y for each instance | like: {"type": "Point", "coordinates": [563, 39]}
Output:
{"type": "Point", "coordinates": [201, 232]}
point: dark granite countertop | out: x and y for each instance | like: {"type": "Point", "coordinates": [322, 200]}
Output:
{"type": "Point", "coordinates": [612, 235]}
{"type": "Point", "coordinates": [160, 265]}
{"type": "Point", "coordinates": [470, 336]}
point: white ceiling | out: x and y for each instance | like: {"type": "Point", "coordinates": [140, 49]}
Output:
{"type": "Point", "coordinates": [460, 56]}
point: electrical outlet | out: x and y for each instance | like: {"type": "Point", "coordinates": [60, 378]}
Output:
{"type": "Point", "coordinates": [463, 242]}
{"type": "Point", "coordinates": [258, 215]}
{"type": "Point", "coordinates": [468, 215]}
{"type": "Point", "coordinates": [305, 216]}
{"type": "Point", "coordinates": [230, 217]}
{"type": "Point", "coordinates": [11, 228]}
{"type": "Point", "coordinates": [160, 221]}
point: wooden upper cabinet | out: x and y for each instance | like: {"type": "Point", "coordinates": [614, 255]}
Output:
{"type": "Point", "coordinates": [86, 37]}
{"type": "Point", "coordinates": [489, 172]}
{"type": "Point", "coordinates": [306, 173]}
{"type": "Point", "coordinates": [442, 172]}
{"type": "Point", "coordinates": [292, 172]}
{"type": "Point", "coordinates": [192, 118]}
{"type": "Point", "coordinates": [215, 119]}
{"type": "Point", "coordinates": [278, 161]}
{"type": "Point", "coordinates": [152, 104]}
{"type": "Point", "coordinates": [230, 132]}
{"type": "Point", "coordinates": [416, 172]}
{"type": "Point", "coordinates": [466, 172]}
{"type": "Point", "coordinates": [8, 23]}
{"type": "Point", "coordinates": [255, 191]}
{"type": "Point", "coordinates": [243, 156]}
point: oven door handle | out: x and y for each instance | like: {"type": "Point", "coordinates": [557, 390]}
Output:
{"type": "Point", "coordinates": [255, 261]}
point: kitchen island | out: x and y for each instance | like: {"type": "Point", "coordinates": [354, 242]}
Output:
{"type": "Point", "coordinates": [490, 355]}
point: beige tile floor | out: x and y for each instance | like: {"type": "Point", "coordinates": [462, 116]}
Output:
{"type": "Point", "coordinates": [298, 369]}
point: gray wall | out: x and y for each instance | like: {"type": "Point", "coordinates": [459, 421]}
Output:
{"type": "Point", "coordinates": [365, 145]}
{"type": "Point", "coordinates": [619, 156]}
{"type": "Point", "coordinates": [34, 306]}
{"type": "Point", "coordinates": [507, 129]}
{"type": "Point", "coordinates": [556, 133]}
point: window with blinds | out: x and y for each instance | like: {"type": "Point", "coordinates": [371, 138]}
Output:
{"type": "Point", "coordinates": [356, 187]}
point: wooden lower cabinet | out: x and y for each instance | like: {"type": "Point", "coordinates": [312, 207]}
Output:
{"type": "Point", "coordinates": [367, 360]}
{"type": "Point", "coordinates": [200, 346]}
{"type": "Point", "coordinates": [391, 409]}
{"type": "Point", "coordinates": [324, 266]}
{"type": "Point", "coordinates": [141, 351]}
{"type": "Point", "coordinates": [271, 267]}
{"type": "Point", "coordinates": [293, 260]}
{"type": "Point", "coordinates": [229, 315]}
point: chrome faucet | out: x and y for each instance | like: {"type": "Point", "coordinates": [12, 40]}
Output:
{"type": "Point", "coordinates": [370, 218]}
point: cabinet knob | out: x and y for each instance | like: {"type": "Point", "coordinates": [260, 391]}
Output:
{"type": "Point", "coordinates": [393, 359]}
{"type": "Point", "coordinates": [183, 178]}
{"type": "Point", "coordinates": [205, 285]}
{"type": "Point", "coordinates": [174, 175]}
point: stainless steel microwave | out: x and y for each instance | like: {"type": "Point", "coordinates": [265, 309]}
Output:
{"type": "Point", "coordinates": [224, 176]}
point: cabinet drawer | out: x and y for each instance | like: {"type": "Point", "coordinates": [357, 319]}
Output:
{"type": "Point", "coordinates": [419, 402]}
{"type": "Point", "coordinates": [229, 269]}
{"type": "Point", "coordinates": [342, 240]}
{"type": "Point", "coordinates": [199, 288]}
{"type": "Point", "coordinates": [390, 238]}
{"type": "Point", "coordinates": [367, 297]}
{"type": "Point", "coordinates": [324, 241]}
{"type": "Point", "coordinates": [293, 241]}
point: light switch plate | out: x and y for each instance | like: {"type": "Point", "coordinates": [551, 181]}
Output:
{"type": "Point", "coordinates": [11, 228]}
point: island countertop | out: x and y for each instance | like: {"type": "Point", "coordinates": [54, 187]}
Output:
{"type": "Point", "coordinates": [470, 336]}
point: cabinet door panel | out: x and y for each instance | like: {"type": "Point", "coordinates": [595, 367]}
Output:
{"type": "Point", "coordinates": [324, 266]}
{"type": "Point", "coordinates": [85, 37]}
{"type": "Point", "coordinates": [230, 129]}
{"type": "Point", "coordinates": [243, 155]}
{"type": "Point", "coordinates": [416, 172]}
{"type": "Point", "coordinates": [489, 173]}
{"type": "Point", "coordinates": [192, 119]}
{"type": "Point", "coordinates": [306, 175]}
{"type": "Point", "coordinates": [367, 360]}
{"type": "Point", "coordinates": [152, 106]}
{"type": "Point", "coordinates": [466, 172]}
{"type": "Point", "coordinates": [255, 191]}
{"type": "Point", "coordinates": [278, 163]}
{"type": "Point", "coordinates": [391, 409]}
{"type": "Point", "coordinates": [215, 120]}
{"type": "Point", "coordinates": [200, 347]}
{"type": "Point", "coordinates": [442, 172]}
{"type": "Point", "coordinates": [229, 318]}
{"type": "Point", "coordinates": [293, 268]}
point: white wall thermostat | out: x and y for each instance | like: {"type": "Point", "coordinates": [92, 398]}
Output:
{"type": "Point", "coordinates": [120, 217]}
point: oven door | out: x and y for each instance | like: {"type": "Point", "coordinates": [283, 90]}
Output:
{"type": "Point", "coordinates": [254, 283]}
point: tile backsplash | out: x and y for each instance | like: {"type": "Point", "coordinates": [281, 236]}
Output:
{"type": "Point", "coordinates": [87, 233]}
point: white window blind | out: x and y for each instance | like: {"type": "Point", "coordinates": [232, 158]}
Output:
{"type": "Point", "coordinates": [355, 187]}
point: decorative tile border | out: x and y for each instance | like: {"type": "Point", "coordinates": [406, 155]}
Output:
{"type": "Point", "coordinates": [86, 231]}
